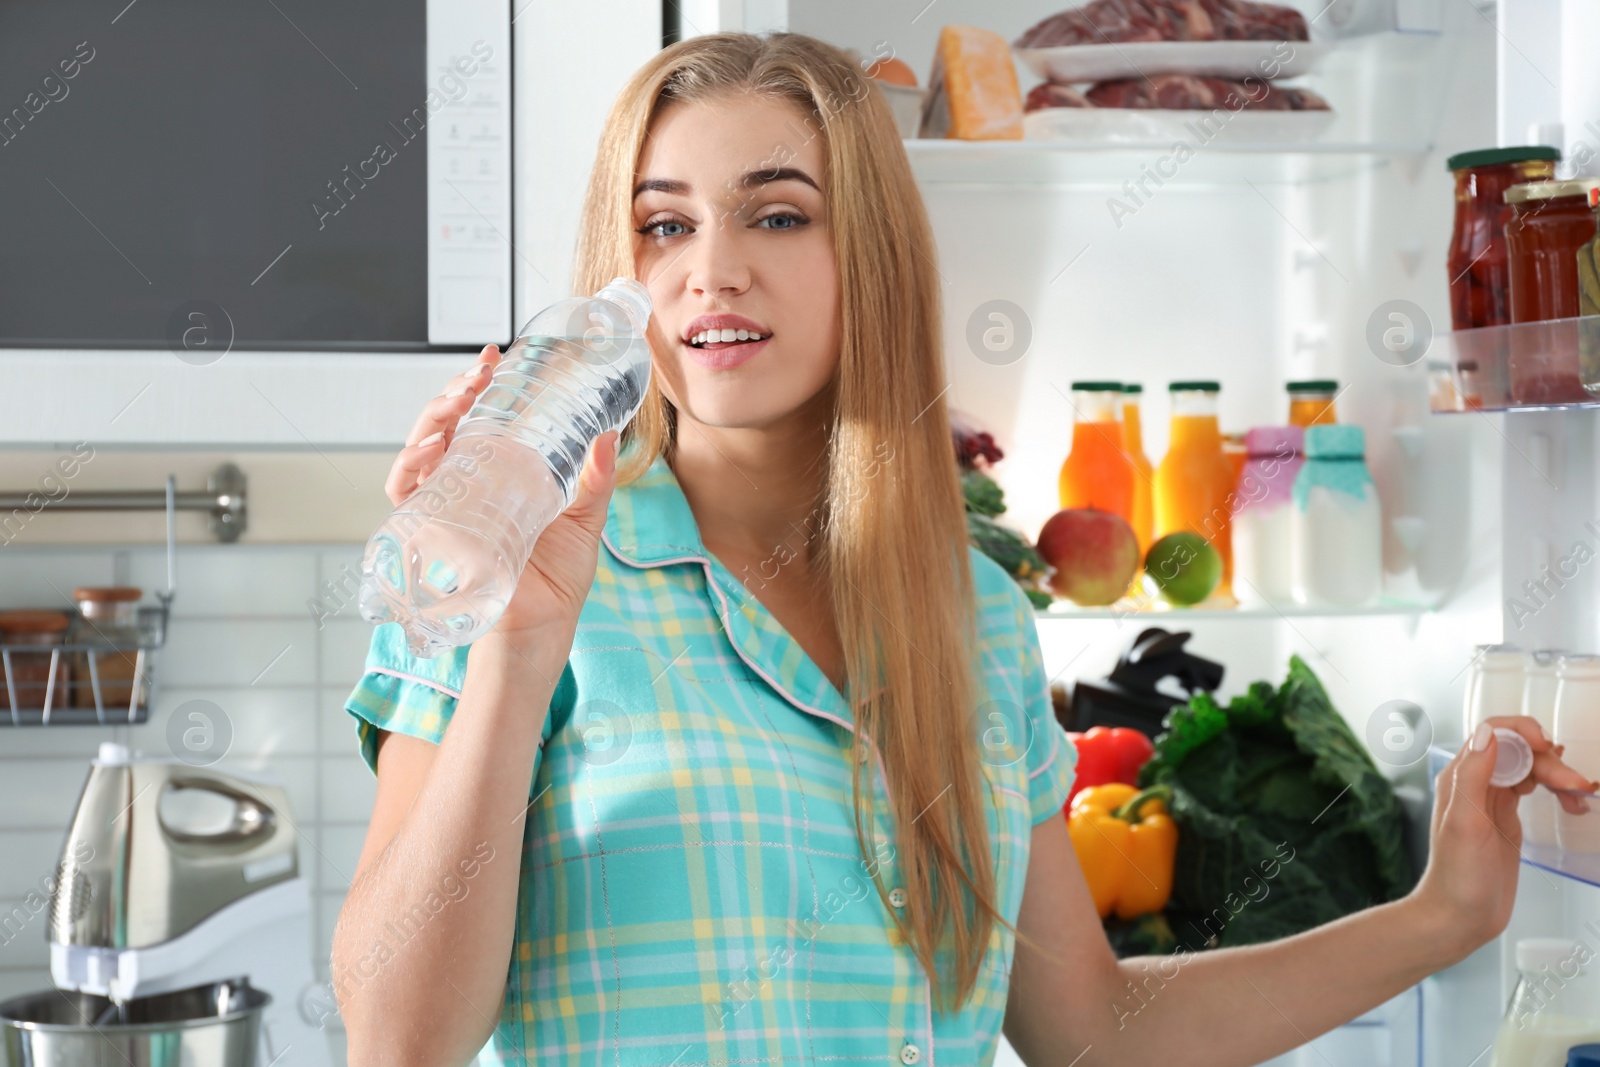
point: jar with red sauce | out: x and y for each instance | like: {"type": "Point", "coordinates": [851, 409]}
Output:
{"type": "Point", "coordinates": [1550, 222]}
{"type": "Point", "coordinates": [1479, 282]}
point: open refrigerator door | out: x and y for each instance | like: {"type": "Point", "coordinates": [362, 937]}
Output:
{"type": "Point", "coordinates": [1151, 246]}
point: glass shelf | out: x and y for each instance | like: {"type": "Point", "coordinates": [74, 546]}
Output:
{"type": "Point", "coordinates": [1152, 611]}
{"type": "Point", "coordinates": [1578, 866]}
{"type": "Point", "coordinates": [1530, 366]}
{"type": "Point", "coordinates": [1095, 163]}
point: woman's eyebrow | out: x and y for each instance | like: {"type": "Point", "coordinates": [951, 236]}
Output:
{"type": "Point", "coordinates": [749, 180]}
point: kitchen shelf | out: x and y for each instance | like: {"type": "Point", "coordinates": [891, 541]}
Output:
{"type": "Point", "coordinates": [1065, 610]}
{"type": "Point", "coordinates": [1529, 366]}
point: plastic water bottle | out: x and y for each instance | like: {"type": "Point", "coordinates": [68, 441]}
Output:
{"type": "Point", "coordinates": [446, 560]}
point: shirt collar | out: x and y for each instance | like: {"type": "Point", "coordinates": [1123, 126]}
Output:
{"type": "Point", "coordinates": [649, 524]}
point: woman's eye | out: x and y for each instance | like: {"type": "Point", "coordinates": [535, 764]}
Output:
{"type": "Point", "coordinates": [651, 229]}
{"type": "Point", "coordinates": [794, 220]}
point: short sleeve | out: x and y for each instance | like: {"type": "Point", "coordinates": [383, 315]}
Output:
{"type": "Point", "coordinates": [404, 693]}
{"type": "Point", "coordinates": [1052, 757]}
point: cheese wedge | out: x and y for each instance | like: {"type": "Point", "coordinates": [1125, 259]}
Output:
{"type": "Point", "coordinates": [973, 94]}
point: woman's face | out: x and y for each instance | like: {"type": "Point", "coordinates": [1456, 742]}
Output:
{"type": "Point", "coordinates": [732, 232]}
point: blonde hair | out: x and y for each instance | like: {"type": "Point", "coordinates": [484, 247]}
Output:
{"type": "Point", "coordinates": [892, 543]}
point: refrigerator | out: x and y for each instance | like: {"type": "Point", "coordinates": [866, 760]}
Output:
{"type": "Point", "coordinates": [1261, 257]}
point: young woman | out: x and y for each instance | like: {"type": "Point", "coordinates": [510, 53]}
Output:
{"type": "Point", "coordinates": [759, 766]}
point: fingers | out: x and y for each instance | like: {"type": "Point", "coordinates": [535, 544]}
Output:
{"type": "Point", "coordinates": [1526, 725]}
{"type": "Point", "coordinates": [595, 483]}
{"type": "Point", "coordinates": [1573, 805]}
{"type": "Point", "coordinates": [435, 426]}
{"type": "Point", "coordinates": [412, 465]}
{"type": "Point", "coordinates": [444, 410]}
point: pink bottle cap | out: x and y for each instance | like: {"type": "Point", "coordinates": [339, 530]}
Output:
{"type": "Point", "coordinates": [1274, 440]}
{"type": "Point", "coordinates": [1513, 759]}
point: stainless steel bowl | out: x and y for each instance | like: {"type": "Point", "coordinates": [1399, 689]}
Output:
{"type": "Point", "coordinates": [217, 1025]}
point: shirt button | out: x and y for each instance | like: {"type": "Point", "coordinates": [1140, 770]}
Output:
{"type": "Point", "coordinates": [897, 897]}
{"type": "Point", "coordinates": [910, 1053]}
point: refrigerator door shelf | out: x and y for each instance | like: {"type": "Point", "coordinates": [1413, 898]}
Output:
{"type": "Point", "coordinates": [1583, 867]}
{"type": "Point", "coordinates": [1528, 366]}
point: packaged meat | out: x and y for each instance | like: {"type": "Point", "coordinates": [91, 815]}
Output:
{"type": "Point", "coordinates": [973, 93]}
{"type": "Point", "coordinates": [1187, 92]}
{"type": "Point", "coordinates": [1127, 21]}
{"type": "Point", "coordinates": [1053, 94]}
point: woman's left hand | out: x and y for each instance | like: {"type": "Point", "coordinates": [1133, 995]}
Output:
{"type": "Point", "coordinates": [1476, 838]}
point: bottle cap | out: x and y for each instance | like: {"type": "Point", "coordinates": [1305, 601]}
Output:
{"type": "Point", "coordinates": [1096, 387]}
{"type": "Point", "coordinates": [1132, 387]}
{"type": "Point", "coordinates": [1274, 440]}
{"type": "Point", "coordinates": [1583, 1056]}
{"type": "Point", "coordinates": [1340, 440]}
{"type": "Point", "coordinates": [1513, 759]}
{"type": "Point", "coordinates": [1205, 386]}
{"type": "Point", "coordinates": [1313, 385]}
{"type": "Point", "coordinates": [1536, 952]}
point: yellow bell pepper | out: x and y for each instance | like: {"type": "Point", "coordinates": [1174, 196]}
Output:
{"type": "Point", "coordinates": [1126, 843]}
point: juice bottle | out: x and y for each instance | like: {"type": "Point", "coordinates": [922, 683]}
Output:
{"type": "Point", "coordinates": [1143, 474]}
{"type": "Point", "coordinates": [1194, 478]}
{"type": "Point", "coordinates": [1311, 401]}
{"type": "Point", "coordinates": [1097, 473]}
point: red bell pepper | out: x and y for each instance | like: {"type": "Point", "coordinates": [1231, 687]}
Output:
{"type": "Point", "coordinates": [1109, 754]}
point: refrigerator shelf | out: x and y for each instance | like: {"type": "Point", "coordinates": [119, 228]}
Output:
{"type": "Point", "coordinates": [1529, 366]}
{"type": "Point", "coordinates": [1065, 610]}
{"type": "Point", "coordinates": [1578, 866]}
{"type": "Point", "coordinates": [1096, 163]}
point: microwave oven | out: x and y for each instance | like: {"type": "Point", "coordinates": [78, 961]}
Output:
{"type": "Point", "coordinates": [282, 175]}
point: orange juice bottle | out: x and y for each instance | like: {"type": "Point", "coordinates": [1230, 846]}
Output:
{"type": "Point", "coordinates": [1194, 478]}
{"type": "Point", "coordinates": [1311, 401]}
{"type": "Point", "coordinates": [1097, 473]}
{"type": "Point", "coordinates": [1143, 474]}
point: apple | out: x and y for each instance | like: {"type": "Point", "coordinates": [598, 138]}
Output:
{"type": "Point", "coordinates": [1095, 555]}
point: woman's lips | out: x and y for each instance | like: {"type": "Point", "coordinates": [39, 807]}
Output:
{"type": "Point", "coordinates": [724, 354]}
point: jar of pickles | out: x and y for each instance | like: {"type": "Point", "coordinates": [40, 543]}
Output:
{"type": "Point", "coordinates": [1479, 279]}
{"type": "Point", "coordinates": [1549, 222]}
{"type": "Point", "coordinates": [1589, 305]}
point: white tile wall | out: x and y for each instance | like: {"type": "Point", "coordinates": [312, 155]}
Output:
{"type": "Point", "coordinates": [268, 634]}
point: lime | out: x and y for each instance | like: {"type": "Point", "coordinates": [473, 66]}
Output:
{"type": "Point", "coordinates": [1184, 566]}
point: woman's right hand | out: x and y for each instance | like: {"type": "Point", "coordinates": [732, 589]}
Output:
{"type": "Point", "coordinates": [556, 580]}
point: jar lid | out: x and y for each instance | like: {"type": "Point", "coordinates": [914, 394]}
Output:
{"type": "Point", "coordinates": [1488, 157]}
{"type": "Point", "coordinates": [1274, 440]}
{"type": "Point", "coordinates": [1339, 440]}
{"type": "Point", "coordinates": [1550, 190]}
{"type": "Point", "coordinates": [1096, 387]}
{"type": "Point", "coordinates": [1195, 386]}
{"type": "Point", "coordinates": [114, 593]}
{"type": "Point", "coordinates": [1576, 663]}
{"type": "Point", "coordinates": [30, 621]}
{"type": "Point", "coordinates": [1132, 387]}
{"type": "Point", "coordinates": [1552, 952]}
{"type": "Point", "coordinates": [1313, 385]}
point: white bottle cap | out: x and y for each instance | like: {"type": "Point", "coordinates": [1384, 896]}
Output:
{"type": "Point", "coordinates": [111, 752]}
{"type": "Point", "coordinates": [1513, 760]}
{"type": "Point", "coordinates": [1536, 952]}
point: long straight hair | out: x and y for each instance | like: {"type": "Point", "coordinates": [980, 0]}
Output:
{"type": "Point", "coordinates": [892, 545]}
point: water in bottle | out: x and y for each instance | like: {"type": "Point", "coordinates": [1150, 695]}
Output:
{"type": "Point", "coordinates": [446, 560]}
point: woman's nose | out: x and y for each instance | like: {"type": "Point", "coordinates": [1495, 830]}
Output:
{"type": "Point", "coordinates": [718, 262]}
